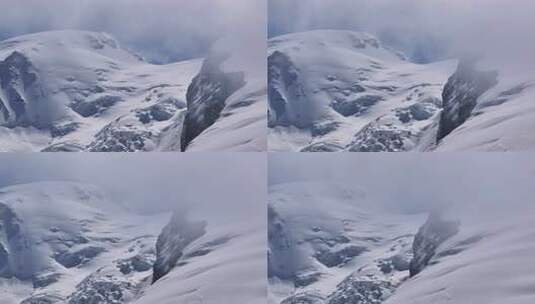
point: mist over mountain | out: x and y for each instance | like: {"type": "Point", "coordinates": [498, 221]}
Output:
{"type": "Point", "coordinates": [426, 31]}
{"type": "Point", "coordinates": [162, 31]}
{"type": "Point", "coordinates": [400, 228]}
{"type": "Point", "coordinates": [132, 229]}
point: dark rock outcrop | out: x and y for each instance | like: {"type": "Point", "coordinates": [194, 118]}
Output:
{"type": "Point", "coordinates": [431, 235]}
{"type": "Point", "coordinates": [43, 299]}
{"type": "Point", "coordinates": [102, 289]}
{"type": "Point", "coordinates": [357, 106]}
{"type": "Point", "coordinates": [176, 235]}
{"type": "Point", "coordinates": [137, 263]}
{"type": "Point", "coordinates": [279, 243]}
{"type": "Point", "coordinates": [322, 147]}
{"type": "Point", "coordinates": [283, 85]}
{"type": "Point", "coordinates": [377, 137]}
{"type": "Point", "coordinates": [304, 298]}
{"type": "Point", "coordinates": [460, 95]}
{"type": "Point", "coordinates": [354, 290]}
{"type": "Point", "coordinates": [13, 252]}
{"type": "Point", "coordinates": [206, 97]}
{"type": "Point", "coordinates": [17, 82]}
{"type": "Point", "coordinates": [96, 106]}
{"type": "Point", "coordinates": [44, 280]}
{"type": "Point", "coordinates": [336, 258]}
{"type": "Point", "coordinates": [78, 257]}
{"type": "Point", "coordinates": [120, 138]}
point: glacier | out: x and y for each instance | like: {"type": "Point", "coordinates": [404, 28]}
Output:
{"type": "Point", "coordinates": [81, 91]}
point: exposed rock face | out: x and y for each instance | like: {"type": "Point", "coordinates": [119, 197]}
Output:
{"type": "Point", "coordinates": [17, 79]}
{"type": "Point", "coordinates": [355, 107]}
{"type": "Point", "coordinates": [78, 257]}
{"type": "Point", "coordinates": [279, 244]}
{"type": "Point", "coordinates": [433, 233]}
{"type": "Point", "coordinates": [461, 93]}
{"type": "Point", "coordinates": [283, 85]}
{"type": "Point", "coordinates": [322, 147]}
{"type": "Point", "coordinates": [119, 137]}
{"type": "Point", "coordinates": [137, 263]}
{"type": "Point", "coordinates": [17, 249]}
{"type": "Point", "coordinates": [102, 288]}
{"type": "Point", "coordinates": [43, 299]}
{"type": "Point", "coordinates": [178, 234]}
{"type": "Point", "coordinates": [96, 106]}
{"type": "Point", "coordinates": [44, 280]}
{"type": "Point", "coordinates": [336, 258]}
{"type": "Point", "coordinates": [207, 95]}
{"type": "Point", "coordinates": [304, 298]}
{"type": "Point", "coordinates": [354, 290]}
{"type": "Point", "coordinates": [376, 137]}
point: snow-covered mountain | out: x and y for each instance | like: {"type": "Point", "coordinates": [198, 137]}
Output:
{"type": "Point", "coordinates": [343, 91]}
{"type": "Point", "coordinates": [335, 244]}
{"type": "Point", "coordinates": [329, 243]}
{"type": "Point", "coordinates": [81, 91]}
{"type": "Point", "coordinates": [70, 243]}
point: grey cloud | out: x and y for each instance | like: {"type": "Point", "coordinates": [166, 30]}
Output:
{"type": "Point", "coordinates": [425, 29]}
{"type": "Point", "coordinates": [162, 30]}
{"type": "Point", "coordinates": [420, 181]}
{"type": "Point", "coordinates": [212, 184]}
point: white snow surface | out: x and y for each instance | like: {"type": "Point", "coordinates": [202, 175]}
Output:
{"type": "Point", "coordinates": [329, 64]}
{"type": "Point", "coordinates": [73, 66]}
{"type": "Point", "coordinates": [330, 210]}
{"type": "Point", "coordinates": [53, 216]}
{"type": "Point", "coordinates": [233, 272]}
{"type": "Point", "coordinates": [490, 260]}
{"type": "Point", "coordinates": [70, 65]}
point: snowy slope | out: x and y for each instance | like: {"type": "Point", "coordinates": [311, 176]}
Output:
{"type": "Point", "coordinates": [66, 242]}
{"type": "Point", "coordinates": [70, 243]}
{"type": "Point", "coordinates": [80, 91]}
{"type": "Point", "coordinates": [464, 252]}
{"type": "Point", "coordinates": [333, 243]}
{"type": "Point", "coordinates": [87, 93]}
{"type": "Point", "coordinates": [342, 90]}
{"type": "Point", "coordinates": [226, 264]}
{"type": "Point", "coordinates": [498, 116]}
{"type": "Point", "coordinates": [489, 260]}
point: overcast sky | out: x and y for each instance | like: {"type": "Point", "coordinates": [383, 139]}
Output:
{"type": "Point", "coordinates": [419, 181]}
{"type": "Point", "coordinates": [213, 184]}
{"type": "Point", "coordinates": [160, 30]}
{"type": "Point", "coordinates": [425, 30]}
